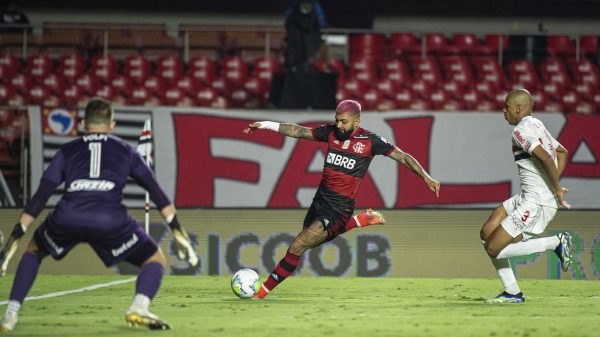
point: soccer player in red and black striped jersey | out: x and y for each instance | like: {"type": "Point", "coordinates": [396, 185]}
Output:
{"type": "Point", "coordinates": [349, 153]}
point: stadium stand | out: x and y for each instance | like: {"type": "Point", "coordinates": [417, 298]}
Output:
{"type": "Point", "coordinates": [232, 67]}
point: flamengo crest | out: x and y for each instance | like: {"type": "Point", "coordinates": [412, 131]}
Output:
{"type": "Point", "coordinates": [358, 147]}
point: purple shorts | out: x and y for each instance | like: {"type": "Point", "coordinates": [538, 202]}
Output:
{"type": "Point", "coordinates": [128, 242]}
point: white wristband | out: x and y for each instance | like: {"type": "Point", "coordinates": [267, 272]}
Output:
{"type": "Point", "coordinates": [269, 125]}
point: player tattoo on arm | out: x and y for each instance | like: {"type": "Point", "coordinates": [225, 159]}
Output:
{"type": "Point", "coordinates": [296, 131]}
{"type": "Point", "coordinates": [412, 164]}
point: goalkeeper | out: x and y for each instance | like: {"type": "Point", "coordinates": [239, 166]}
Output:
{"type": "Point", "coordinates": [94, 169]}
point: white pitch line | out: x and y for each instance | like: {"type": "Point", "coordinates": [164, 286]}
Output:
{"type": "Point", "coordinates": [74, 291]}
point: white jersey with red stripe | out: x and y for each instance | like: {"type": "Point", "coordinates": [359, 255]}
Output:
{"type": "Point", "coordinates": [535, 183]}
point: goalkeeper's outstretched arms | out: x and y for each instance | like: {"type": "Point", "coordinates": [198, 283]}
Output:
{"type": "Point", "coordinates": [12, 241]}
{"type": "Point", "coordinates": [290, 130]}
{"type": "Point", "coordinates": [185, 249]}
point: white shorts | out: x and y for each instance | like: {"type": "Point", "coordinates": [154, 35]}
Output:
{"type": "Point", "coordinates": [526, 217]}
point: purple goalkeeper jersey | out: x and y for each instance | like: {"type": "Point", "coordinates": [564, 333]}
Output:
{"type": "Point", "coordinates": [94, 169]}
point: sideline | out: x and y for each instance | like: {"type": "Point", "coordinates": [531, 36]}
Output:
{"type": "Point", "coordinates": [74, 291]}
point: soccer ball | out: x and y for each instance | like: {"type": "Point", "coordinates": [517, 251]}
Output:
{"type": "Point", "coordinates": [245, 283]}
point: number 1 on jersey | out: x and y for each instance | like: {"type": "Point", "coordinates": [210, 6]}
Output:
{"type": "Point", "coordinates": [95, 154]}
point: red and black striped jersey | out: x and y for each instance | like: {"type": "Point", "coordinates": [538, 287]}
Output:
{"type": "Point", "coordinates": [348, 160]}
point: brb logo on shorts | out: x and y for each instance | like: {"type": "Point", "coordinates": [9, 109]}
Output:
{"type": "Point", "coordinates": [339, 160]}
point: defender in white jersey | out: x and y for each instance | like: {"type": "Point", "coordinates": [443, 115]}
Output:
{"type": "Point", "coordinates": [510, 229]}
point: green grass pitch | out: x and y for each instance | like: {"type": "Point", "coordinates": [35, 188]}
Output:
{"type": "Point", "coordinates": [315, 306]}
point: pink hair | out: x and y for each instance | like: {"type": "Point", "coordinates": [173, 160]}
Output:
{"type": "Point", "coordinates": [348, 106]}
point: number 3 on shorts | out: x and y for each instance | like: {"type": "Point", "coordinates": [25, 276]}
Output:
{"type": "Point", "coordinates": [525, 216]}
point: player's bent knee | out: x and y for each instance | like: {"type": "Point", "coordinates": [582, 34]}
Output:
{"type": "Point", "coordinates": [157, 257]}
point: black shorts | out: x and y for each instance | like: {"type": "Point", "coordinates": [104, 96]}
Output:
{"type": "Point", "coordinates": [333, 217]}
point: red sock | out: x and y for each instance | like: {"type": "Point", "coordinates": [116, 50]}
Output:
{"type": "Point", "coordinates": [352, 223]}
{"type": "Point", "coordinates": [284, 268]}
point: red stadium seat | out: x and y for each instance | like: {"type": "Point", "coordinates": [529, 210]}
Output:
{"type": "Point", "coordinates": [343, 94]}
{"type": "Point", "coordinates": [560, 45]}
{"type": "Point", "coordinates": [234, 62]}
{"type": "Point", "coordinates": [455, 63]}
{"type": "Point", "coordinates": [17, 99]}
{"type": "Point", "coordinates": [71, 66]}
{"type": "Point", "coordinates": [420, 105]}
{"type": "Point", "coordinates": [540, 98]}
{"type": "Point", "coordinates": [139, 96]}
{"type": "Point", "coordinates": [201, 62]}
{"type": "Point", "coordinates": [422, 88]}
{"type": "Point", "coordinates": [367, 46]}
{"type": "Point", "coordinates": [500, 98]}
{"type": "Point", "coordinates": [37, 94]}
{"type": "Point", "coordinates": [6, 92]}
{"type": "Point", "coordinates": [256, 87]}
{"type": "Point", "coordinates": [570, 99]}
{"type": "Point", "coordinates": [123, 84]}
{"type": "Point", "coordinates": [239, 97]}
{"type": "Point", "coordinates": [588, 45]}
{"type": "Point", "coordinates": [72, 94]}
{"type": "Point", "coordinates": [221, 86]}
{"type": "Point", "coordinates": [206, 97]}
{"type": "Point", "coordinates": [263, 68]}
{"type": "Point", "coordinates": [88, 83]}
{"type": "Point", "coordinates": [452, 105]}
{"type": "Point", "coordinates": [368, 76]}
{"type": "Point", "coordinates": [486, 105]}
{"type": "Point", "coordinates": [404, 44]}
{"type": "Point", "coordinates": [188, 84]}
{"type": "Point", "coordinates": [354, 86]}
{"type": "Point", "coordinates": [22, 83]}
{"type": "Point", "coordinates": [427, 64]}
{"type": "Point", "coordinates": [387, 87]}
{"type": "Point", "coordinates": [404, 97]}
{"type": "Point", "coordinates": [169, 68]}
{"type": "Point", "coordinates": [235, 77]}
{"type": "Point", "coordinates": [465, 43]}
{"type": "Point", "coordinates": [583, 67]}
{"type": "Point", "coordinates": [592, 78]}
{"type": "Point", "coordinates": [596, 99]}
{"type": "Point", "coordinates": [107, 92]}
{"type": "Point", "coordinates": [454, 88]}
{"type": "Point", "coordinates": [370, 99]}
{"type": "Point", "coordinates": [6, 72]}
{"type": "Point", "coordinates": [104, 74]}
{"type": "Point", "coordinates": [431, 77]}
{"type": "Point", "coordinates": [486, 88]}
{"type": "Point", "coordinates": [585, 108]}
{"type": "Point", "coordinates": [11, 61]}
{"type": "Point", "coordinates": [333, 66]}
{"type": "Point", "coordinates": [54, 83]}
{"type": "Point", "coordinates": [586, 90]}
{"type": "Point", "coordinates": [438, 44]}
{"type": "Point", "coordinates": [203, 75]}
{"type": "Point", "coordinates": [394, 65]}
{"type": "Point", "coordinates": [52, 101]}
{"type": "Point", "coordinates": [39, 66]}
{"type": "Point", "coordinates": [138, 68]}
{"type": "Point", "coordinates": [155, 84]}
{"type": "Point", "coordinates": [361, 65]}
{"type": "Point", "coordinates": [438, 98]}
{"type": "Point", "coordinates": [173, 96]}
{"type": "Point", "coordinates": [553, 106]}
{"type": "Point", "coordinates": [104, 61]}
{"type": "Point", "coordinates": [492, 44]}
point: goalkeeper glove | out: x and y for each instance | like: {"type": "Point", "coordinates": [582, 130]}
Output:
{"type": "Point", "coordinates": [185, 250]}
{"type": "Point", "coordinates": [10, 247]}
